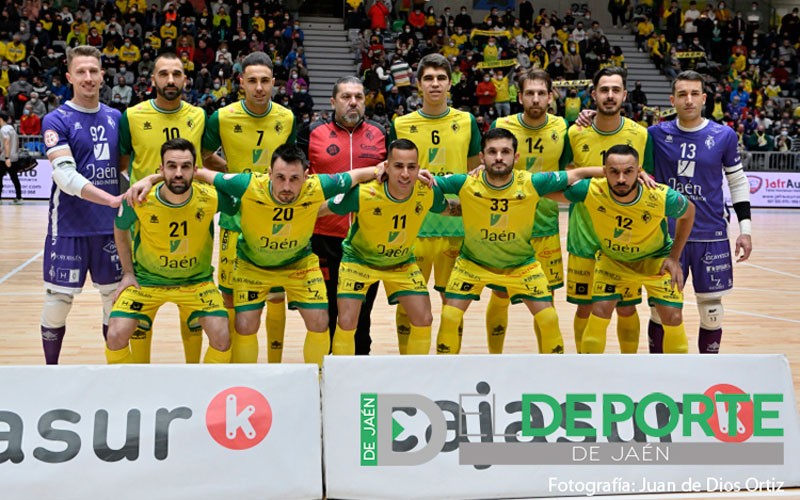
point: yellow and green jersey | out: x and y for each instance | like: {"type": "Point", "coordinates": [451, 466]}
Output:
{"type": "Point", "coordinates": [633, 231]}
{"type": "Point", "coordinates": [144, 127]}
{"type": "Point", "coordinates": [385, 228]}
{"type": "Point", "coordinates": [248, 139]}
{"type": "Point", "coordinates": [445, 143]}
{"type": "Point", "coordinates": [274, 234]}
{"type": "Point", "coordinates": [173, 244]}
{"type": "Point", "coordinates": [499, 220]}
{"type": "Point", "coordinates": [541, 149]}
{"type": "Point", "coordinates": [589, 146]}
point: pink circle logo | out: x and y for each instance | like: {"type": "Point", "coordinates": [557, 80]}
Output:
{"type": "Point", "coordinates": [239, 418]}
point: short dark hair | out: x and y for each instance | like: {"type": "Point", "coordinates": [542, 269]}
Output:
{"type": "Point", "coordinates": [257, 58]}
{"type": "Point", "coordinates": [401, 144]}
{"type": "Point", "coordinates": [166, 55]}
{"type": "Point", "coordinates": [434, 60]}
{"type": "Point", "coordinates": [179, 144]}
{"type": "Point", "coordinates": [344, 80]}
{"type": "Point", "coordinates": [611, 71]}
{"type": "Point", "coordinates": [688, 76]}
{"type": "Point", "coordinates": [289, 153]}
{"type": "Point", "coordinates": [623, 150]}
{"type": "Point", "coordinates": [534, 74]}
{"type": "Point", "coordinates": [82, 50]}
{"type": "Point", "coordinates": [498, 133]}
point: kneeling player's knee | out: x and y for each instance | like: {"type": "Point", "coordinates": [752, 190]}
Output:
{"type": "Point", "coordinates": [56, 308]}
{"type": "Point", "coordinates": [710, 313]}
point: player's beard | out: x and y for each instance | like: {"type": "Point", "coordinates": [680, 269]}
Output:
{"type": "Point", "coordinates": [499, 174]}
{"type": "Point", "coordinates": [601, 109]}
{"type": "Point", "coordinates": [535, 112]}
{"type": "Point", "coordinates": [619, 194]}
{"type": "Point", "coordinates": [286, 197]}
{"type": "Point", "coordinates": [169, 93]}
{"type": "Point", "coordinates": [176, 186]}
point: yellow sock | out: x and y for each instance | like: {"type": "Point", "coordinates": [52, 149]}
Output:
{"type": "Point", "coordinates": [579, 325]}
{"type": "Point", "coordinates": [316, 346]}
{"type": "Point", "coordinates": [496, 323]}
{"type": "Point", "coordinates": [276, 327]}
{"type": "Point", "coordinates": [344, 341]}
{"type": "Point", "coordinates": [460, 335]}
{"type": "Point", "coordinates": [594, 338]}
{"type": "Point", "coordinates": [419, 341]}
{"type": "Point", "coordinates": [448, 342]}
{"type": "Point", "coordinates": [192, 337]}
{"type": "Point", "coordinates": [538, 331]}
{"type": "Point", "coordinates": [551, 340]}
{"type": "Point", "coordinates": [216, 356]}
{"type": "Point", "coordinates": [244, 348]}
{"type": "Point", "coordinates": [403, 328]}
{"type": "Point", "coordinates": [140, 343]}
{"type": "Point", "coordinates": [628, 333]}
{"type": "Point", "coordinates": [119, 356]}
{"type": "Point", "coordinates": [675, 339]}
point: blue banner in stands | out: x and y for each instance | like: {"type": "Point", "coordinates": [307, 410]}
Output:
{"type": "Point", "coordinates": [490, 4]}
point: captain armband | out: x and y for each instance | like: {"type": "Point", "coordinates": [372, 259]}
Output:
{"type": "Point", "coordinates": [66, 176]}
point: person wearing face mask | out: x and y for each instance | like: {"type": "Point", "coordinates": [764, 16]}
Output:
{"type": "Point", "coordinates": [294, 81]}
{"type": "Point", "coordinates": [573, 63]}
{"type": "Point", "coordinates": [37, 105]}
{"type": "Point", "coordinates": [491, 50]}
{"type": "Point", "coordinates": [129, 53]}
{"type": "Point", "coordinates": [486, 92]}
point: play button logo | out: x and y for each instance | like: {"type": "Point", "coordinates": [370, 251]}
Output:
{"type": "Point", "coordinates": [239, 418]}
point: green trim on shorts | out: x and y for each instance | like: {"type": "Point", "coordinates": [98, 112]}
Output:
{"type": "Point", "coordinates": [497, 288]}
{"type": "Point", "coordinates": [517, 299]}
{"type": "Point", "coordinates": [225, 289]}
{"type": "Point", "coordinates": [277, 289]}
{"type": "Point", "coordinates": [202, 314]}
{"type": "Point", "coordinates": [250, 307]}
{"type": "Point", "coordinates": [393, 298]}
{"type": "Point", "coordinates": [440, 289]}
{"type": "Point", "coordinates": [580, 302]}
{"type": "Point", "coordinates": [305, 305]}
{"type": "Point", "coordinates": [556, 286]}
{"type": "Point", "coordinates": [633, 302]}
{"type": "Point", "coordinates": [362, 298]}
{"type": "Point", "coordinates": [136, 316]}
{"type": "Point", "coordinates": [663, 302]}
{"type": "Point", "coordinates": [466, 296]}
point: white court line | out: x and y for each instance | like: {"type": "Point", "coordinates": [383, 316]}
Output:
{"type": "Point", "coordinates": [755, 315]}
{"type": "Point", "coordinates": [768, 290]}
{"type": "Point", "coordinates": [769, 269]}
{"type": "Point", "coordinates": [20, 267]}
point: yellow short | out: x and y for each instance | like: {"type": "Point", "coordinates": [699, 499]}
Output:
{"type": "Point", "coordinates": [227, 259]}
{"type": "Point", "coordinates": [302, 281]}
{"type": "Point", "coordinates": [437, 253]}
{"type": "Point", "coordinates": [623, 281]}
{"type": "Point", "coordinates": [355, 278]}
{"type": "Point", "coordinates": [548, 253]}
{"type": "Point", "coordinates": [580, 280]}
{"type": "Point", "coordinates": [526, 282]}
{"type": "Point", "coordinates": [203, 299]}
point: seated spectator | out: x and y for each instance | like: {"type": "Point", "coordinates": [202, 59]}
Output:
{"type": "Point", "coordinates": [760, 141]}
{"type": "Point", "coordinates": [30, 123]}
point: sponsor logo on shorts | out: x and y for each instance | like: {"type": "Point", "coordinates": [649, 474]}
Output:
{"type": "Point", "coordinates": [581, 289]}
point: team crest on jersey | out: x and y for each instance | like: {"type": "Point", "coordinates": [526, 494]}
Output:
{"type": "Point", "coordinates": [455, 127]}
{"type": "Point", "coordinates": [369, 135]}
{"type": "Point", "coordinates": [520, 195]}
{"type": "Point", "coordinates": [200, 215]}
{"type": "Point", "coordinates": [279, 127]}
{"type": "Point", "coordinates": [237, 129]}
{"type": "Point", "coordinates": [190, 123]}
{"type": "Point", "coordinates": [50, 138]}
{"type": "Point", "coordinates": [554, 136]}
{"type": "Point", "coordinates": [646, 217]}
{"type": "Point", "coordinates": [418, 208]}
{"type": "Point", "coordinates": [710, 141]}
{"type": "Point", "coordinates": [332, 150]}
{"type": "Point", "coordinates": [147, 126]}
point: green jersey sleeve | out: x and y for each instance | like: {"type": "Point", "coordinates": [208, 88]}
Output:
{"type": "Point", "coordinates": [676, 204]}
{"type": "Point", "coordinates": [548, 182]}
{"type": "Point", "coordinates": [227, 204]}
{"type": "Point", "coordinates": [346, 203]}
{"type": "Point", "coordinates": [577, 192]}
{"type": "Point", "coordinates": [232, 184]}
{"type": "Point", "coordinates": [439, 201]}
{"type": "Point", "coordinates": [125, 146]}
{"type": "Point", "coordinates": [566, 153]}
{"type": "Point", "coordinates": [211, 138]}
{"type": "Point", "coordinates": [126, 216]}
{"type": "Point", "coordinates": [292, 139]}
{"type": "Point", "coordinates": [451, 184]}
{"type": "Point", "coordinates": [475, 139]}
{"type": "Point", "coordinates": [335, 184]}
{"type": "Point", "coordinates": [392, 134]}
{"type": "Point", "coordinates": [648, 164]}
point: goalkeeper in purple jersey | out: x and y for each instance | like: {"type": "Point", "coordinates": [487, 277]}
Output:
{"type": "Point", "coordinates": [691, 155]}
{"type": "Point", "coordinates": [81, 139]}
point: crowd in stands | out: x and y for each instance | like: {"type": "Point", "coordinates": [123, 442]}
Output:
{"type": "Point", "coordinates": [739, 54]}
{"type": "Point", "coordinates": [211, 42]}
{"type": "Point", "coordinates": [751, 63]}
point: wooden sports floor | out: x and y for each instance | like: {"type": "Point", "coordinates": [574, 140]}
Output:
{"type": "Point", "coordinates": [761, 314]}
